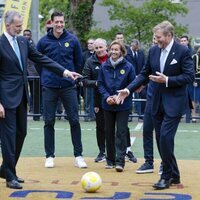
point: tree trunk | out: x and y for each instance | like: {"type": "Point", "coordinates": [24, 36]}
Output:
{"type": "Point", "coordinates": [80, 18]}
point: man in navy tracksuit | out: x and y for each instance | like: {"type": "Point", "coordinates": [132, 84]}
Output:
{"type": "Point", "coordinates": [64, 48]}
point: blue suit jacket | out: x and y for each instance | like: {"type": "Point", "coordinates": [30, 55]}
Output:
{"type": "Point", "coordinates": [180, 71]}
{"type": "Point", "coordinates": [13, 81]}
{"type": "Point", "coordinates": [137, 63]}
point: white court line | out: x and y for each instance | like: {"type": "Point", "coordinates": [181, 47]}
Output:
{"type": "Point", "coordinates": [35, 128]}
{"type": "Point", "coordinates": [60, 129]}
{"type": "Point", "coordinates": [132, 140]}
{"type": "Point", "coordinates": [138, 126]}
{"type": "Point", "coordinates": [63, 129]}
{"type": "Point", "coordinates": [192, 131]}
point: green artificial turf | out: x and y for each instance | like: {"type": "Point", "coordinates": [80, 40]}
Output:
{"type": "Point", "coordinates": [186, 142]}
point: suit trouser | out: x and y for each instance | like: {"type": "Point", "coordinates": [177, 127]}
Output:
{"type": "Point", "coordinates": [69, 99]}
{"type": "Point", "coordinates": [166, 127]}
{"type": "Point", "coordinates": [148, 133]}
{"type": "Point", "coordinates": [12, 135]}
{"type": "Point", "coordinates": [116, 141]}
{"type": "Point", "coordinates": [100, 130]}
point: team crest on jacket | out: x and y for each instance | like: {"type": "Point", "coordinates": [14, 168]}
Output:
{"type": "Point", "coordinates": [66, 44]}
{"type": "Point", "coordinates": [122, 71]}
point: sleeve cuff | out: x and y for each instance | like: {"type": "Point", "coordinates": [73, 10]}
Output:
{"type": "Point", "coordinates": [166, 84]}
{"type": "Point", "coordinates": [66, 73]}
{"type": "Point", "coordinates": [127, 90]}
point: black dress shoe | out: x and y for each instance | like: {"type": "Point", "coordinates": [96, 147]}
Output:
{"type": "Point", "coordinates": [2, 176]}
{"type": "Point", "coordinates": [175, 181]}
{"type": "Point", "coordinates": [13, 184]}
{"type": "Point", "coordinates": [20, 180]}
{"type": "Point", "coordinates": [162, 184]}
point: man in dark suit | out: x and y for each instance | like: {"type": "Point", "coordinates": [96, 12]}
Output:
{"type": "Point", "coordinates": [88, 92]}
{"type": "Point", "coordinates": [135, 55]}
{"type": "Point", "coordinates": [170, 67]}
{"type": "Point", "coordinates": [14, 52]}
{"type": "Point", "coordinates": [34, 83]}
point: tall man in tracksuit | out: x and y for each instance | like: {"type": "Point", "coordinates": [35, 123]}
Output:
{"type": "Point", "coordinates": [63, 47]}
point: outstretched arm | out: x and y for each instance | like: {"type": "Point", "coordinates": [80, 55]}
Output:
{"type": "Point", "coordinates": [2, 111]}
{"type": "Point", "coordinates": [70, 74]}
{"type": "Point", "coordinates": [122, 94]}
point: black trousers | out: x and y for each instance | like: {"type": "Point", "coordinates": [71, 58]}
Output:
{"type": "Point", "coordinates": [12, 134]}
{"type": "Point", "coordinates": [116, 141]}
{"type": "Point", "coordinates": [69, 99]}
{"type": "Point", "coordinates": [100, 130]}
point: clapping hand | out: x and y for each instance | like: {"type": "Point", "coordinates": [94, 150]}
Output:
{"type": "Point", "coordinates": [158, 78]}
{"type": "Point", "coordinates": [111, 100]}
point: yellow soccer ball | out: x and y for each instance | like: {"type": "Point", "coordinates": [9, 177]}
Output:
{"type": "Point", "coordinates": [91, 182]}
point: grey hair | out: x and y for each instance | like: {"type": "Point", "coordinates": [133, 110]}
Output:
{"type": "Point", "coordinates": [166, 28]}
{"type": "Point", "coordinates": [101, 40]}
{"type": "Point", "coordinates": [135, 42]}
{"type": "Point", "coordinates": [10, 15]}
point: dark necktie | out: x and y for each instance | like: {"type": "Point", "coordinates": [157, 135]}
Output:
{"type": "Point", "coordinates": [135, 54]}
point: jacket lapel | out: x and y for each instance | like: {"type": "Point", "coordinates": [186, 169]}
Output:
{"type": "Point", "coordinates": [157, 55]}
{"type": "Point", "coordinates": [21, 47]}
{"type": "Point", "coordinates": [170, 56]}
{"type": "Point", "coordinates": [8, 48]}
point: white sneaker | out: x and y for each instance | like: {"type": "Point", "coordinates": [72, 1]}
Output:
{"type": "Point", "coordinates": [49, 163]}
{"type": "Point", "coordinates": [80, 163]}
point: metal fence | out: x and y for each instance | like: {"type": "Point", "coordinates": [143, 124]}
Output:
{"type": "Point", "coordinates": [35, 105]}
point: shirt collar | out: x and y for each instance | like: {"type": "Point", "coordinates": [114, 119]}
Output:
{"type": "Point", "coordinates": [133, 50]}
{"type": "Point", "coordinates": [169, 46]}
{"type": "Point", "coordinates": [8, 36]}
